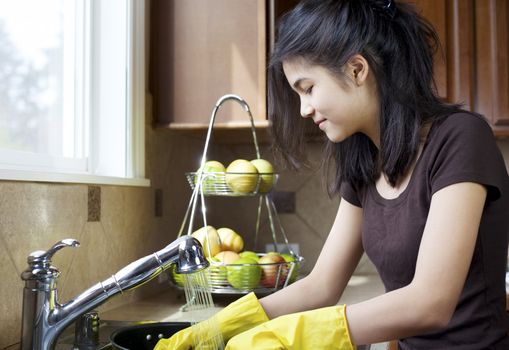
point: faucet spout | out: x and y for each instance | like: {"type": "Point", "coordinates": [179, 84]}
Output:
{"type": "Point", "coordinates": [44, 318]}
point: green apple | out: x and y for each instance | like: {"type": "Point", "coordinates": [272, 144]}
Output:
{"type": "Point", "coordinates": [213, 171]}
{"type": "Point", "coordinates": [249, 254]}
{"type": "Point", "coordinates": [266, 170]}
{"type": "Point", "coordinates": [217, 273]}
{"type": "Point", "coordinates": [291, 259]}
{"type": "Point", "coordinates": [241, 176]}
{"type": "Point", "coordinates": [246, 276]}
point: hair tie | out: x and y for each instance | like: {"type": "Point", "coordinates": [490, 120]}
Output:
{"type": "Point", "coordinates": [388, 8]}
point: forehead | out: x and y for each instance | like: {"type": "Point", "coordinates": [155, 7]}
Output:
{"type": "Point", "coordinates": [298, 68]}
{"type": "Point", "coordinates": [298, 71]}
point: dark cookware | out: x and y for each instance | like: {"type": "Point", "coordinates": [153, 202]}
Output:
{"type": "Point", "coordinates": [144, 336]}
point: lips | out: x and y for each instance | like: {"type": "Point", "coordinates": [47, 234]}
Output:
{"type": "Point", "coordinates": [320, 123]}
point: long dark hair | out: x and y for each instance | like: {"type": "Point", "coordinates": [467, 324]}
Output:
{"type": "Point", "coordinates": [397, 43]}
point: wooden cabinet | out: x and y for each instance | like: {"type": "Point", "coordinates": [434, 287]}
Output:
{"type": "Point", "coordinates": [492, 56]}
{"type": "Point", "coordinates": [473, 67]}
{"type": "Point", "coordinates": [201, 50]}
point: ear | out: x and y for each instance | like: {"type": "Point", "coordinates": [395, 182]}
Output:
{"type": "Point", "coordinates": [358, 69]}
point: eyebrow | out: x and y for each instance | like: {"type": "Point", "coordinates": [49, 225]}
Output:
{"type": "Point", "coordinates": [297, 83]}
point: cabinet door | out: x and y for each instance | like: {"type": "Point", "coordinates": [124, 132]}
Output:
{"type": "Point", "coordinates": [492, 74]}
{"type": "Point", "coordinates": [201, 50]}
{"type": "Point", "coordinates": [454, 62]}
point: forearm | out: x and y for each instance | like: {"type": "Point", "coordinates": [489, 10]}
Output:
{"type": "Point", "coordinates": [398, 314]}
{"type": "Point", "coordinates": [296, 298]}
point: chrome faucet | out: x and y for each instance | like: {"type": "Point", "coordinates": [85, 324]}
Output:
{"type": "Point", "coordinates": [44, 318]}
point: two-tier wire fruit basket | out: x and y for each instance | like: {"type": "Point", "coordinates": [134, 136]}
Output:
{"type": "Point", "coordinates": [239, 278]}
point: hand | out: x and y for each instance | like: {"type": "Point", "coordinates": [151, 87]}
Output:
{"type": "Point", "coordinates": [324, 328]}
{"type": "Point", "coordinates": [236, 318]}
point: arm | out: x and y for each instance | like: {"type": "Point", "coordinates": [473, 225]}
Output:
{"type": "Point", "coordinates": [445, 254]}
{"type": "Point", "coordinates": [339, 257]}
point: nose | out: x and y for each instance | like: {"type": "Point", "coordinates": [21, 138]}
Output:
{"type": "Point", "coordinates": [306, 110]}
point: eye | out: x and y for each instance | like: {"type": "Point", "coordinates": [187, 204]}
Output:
{"type": "Point", "coordinates": [308, 90]}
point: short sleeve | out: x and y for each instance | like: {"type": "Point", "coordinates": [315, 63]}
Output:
{"type": "Point", "coordinates": [467, 152]}
{"type": "Point", "coordinates": [348, 192]}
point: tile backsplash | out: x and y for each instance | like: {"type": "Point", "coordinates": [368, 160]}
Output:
{"type": "Point", "coordinates": [117, 224]}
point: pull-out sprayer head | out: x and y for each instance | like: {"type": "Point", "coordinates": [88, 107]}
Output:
{"type": "Point", "coordinates": [191, 256]}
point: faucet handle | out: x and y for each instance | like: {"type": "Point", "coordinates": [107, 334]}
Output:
{"type": "Point", "coordinates": [39, 263]}
{"type": "Point", "coordinates": [44, 257]}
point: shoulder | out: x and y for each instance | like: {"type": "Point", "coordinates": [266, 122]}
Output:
{"type": "Point", "coordinates": [462, 127]}
{"type": "Point", "coordinates": [461, 122]}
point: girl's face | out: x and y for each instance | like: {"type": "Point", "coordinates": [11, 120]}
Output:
{"type": "Point", "coordinates": [339, 109]}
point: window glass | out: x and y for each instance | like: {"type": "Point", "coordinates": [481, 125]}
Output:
{"type": "Point", "coordinates": [72, 87]}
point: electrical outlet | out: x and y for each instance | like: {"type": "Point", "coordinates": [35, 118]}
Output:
{"type": "Point", "coordinates": [283, 248]}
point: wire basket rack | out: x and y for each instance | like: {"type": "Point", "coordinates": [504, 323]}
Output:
{"type": "Point", "coordinates": [233, 183]}
{"type": "Point", "coordinates": [264, 277]}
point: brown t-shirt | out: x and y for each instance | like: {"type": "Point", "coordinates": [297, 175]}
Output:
{"type": "Point", "coordinates": [459, 148]}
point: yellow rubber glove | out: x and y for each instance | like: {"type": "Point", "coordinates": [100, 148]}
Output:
{"type": "Point", "coordinates": [324, 328]}
{"type": "Point", "coordinates": [236, 318]}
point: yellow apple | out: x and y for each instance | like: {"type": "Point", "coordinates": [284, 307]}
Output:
{"type": "Point", "coordinates": [241, 176]}
{"type": "Point", "coordinates": [266, 170]}
{"type": "Point", "coordinates": [230, 240]}
{"type": "Point", "coordinates": [209, 240]}
{"type": "Point", "coordinates": [227, 256]}
{"type": "Point", "coordinates": [217, 273]}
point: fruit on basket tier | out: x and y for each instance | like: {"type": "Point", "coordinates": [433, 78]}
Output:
{"type": "Point", "coordinates": [249, 254]}
{"type": "Point", "coordinates": [209, 239]}
{"type": "Point", "coordinates": [241, 176]}
{"type": "Point", "coordinates": [230, 240]}
{"type": "Point", "coordinates": [213, 172]}
{"type": "Point", "coordinates": [244, 274]}
{"type": "Point", "coordinates": [233, 267]}
{"type": "Point", "coordinates": [274, 273]}
{"type": "Point", "coordinates": [265, 168]}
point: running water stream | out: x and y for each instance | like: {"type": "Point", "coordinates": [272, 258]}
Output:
{"type": "Point", "coordinates": [200, 307]}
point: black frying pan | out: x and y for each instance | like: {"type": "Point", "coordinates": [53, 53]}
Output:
{"type": "Point", "coordinates": [144, 336]}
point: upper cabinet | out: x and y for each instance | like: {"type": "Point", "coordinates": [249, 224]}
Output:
{"type": "Point", "coordinates": [201, 50]}
{"type": "Point", "coordinates": [492, 55]}
{"type": "Point", "coordinates": [473, 67]}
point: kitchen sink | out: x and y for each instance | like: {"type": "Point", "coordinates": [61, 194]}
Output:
{"type": "Point", "coordinates": [106, 328]}
{"type": "Point", "coordinates": [130, 335]}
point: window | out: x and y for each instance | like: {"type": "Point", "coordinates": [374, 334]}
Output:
{"type": "Point", "coordinates": [72, 91]}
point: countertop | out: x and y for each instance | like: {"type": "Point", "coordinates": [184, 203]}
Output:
{"type": "Point", "coordinates": [166, 306]}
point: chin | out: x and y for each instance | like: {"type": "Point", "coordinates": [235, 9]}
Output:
{"type": "Point", "coordinates": [335, 138]}
{"type": "Point", "coordinates": [337, 134]}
